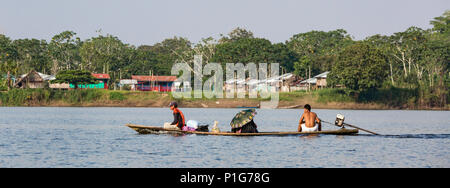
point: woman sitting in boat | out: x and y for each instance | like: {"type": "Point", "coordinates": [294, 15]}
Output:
{"type": "Point", "coordinates": [243, 122]}
{"type": "Point", "coordinates": [178, 118]}
{"type": "Point", "coordinates": [250, 127]}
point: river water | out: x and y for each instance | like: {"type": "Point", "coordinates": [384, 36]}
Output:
{"type": "Point", "coordinates": [97, 137]}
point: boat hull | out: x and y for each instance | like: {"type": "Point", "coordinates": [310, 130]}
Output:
{"type": "Point", "coordinates": [142, 129]}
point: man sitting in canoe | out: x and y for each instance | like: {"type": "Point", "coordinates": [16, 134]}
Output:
{"type": "Point", "coordinates": [308, 121]}
{"type": "Point", "coordinates": [178, 118]}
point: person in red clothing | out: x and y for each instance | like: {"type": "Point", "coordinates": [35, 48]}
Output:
{"type": "Point", "coordinates": [178, 117]}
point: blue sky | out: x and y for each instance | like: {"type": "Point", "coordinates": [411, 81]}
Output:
{"type": "Point", "coordinates": [140, 22]}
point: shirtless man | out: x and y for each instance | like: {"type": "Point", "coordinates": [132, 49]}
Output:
{"type": "Point", "coordinates": [310, 119]}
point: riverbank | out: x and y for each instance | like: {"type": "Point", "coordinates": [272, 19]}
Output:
{"type": "Point", "coordinates": [321, 99]}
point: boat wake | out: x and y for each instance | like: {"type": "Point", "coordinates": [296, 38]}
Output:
{"type": "Point", "coordinates": [417, 136]}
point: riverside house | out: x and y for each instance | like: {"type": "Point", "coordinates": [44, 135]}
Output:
{"type": "Point", "coordinates": [33, 79]}
{"type": "Point", "coordinates": [154, 83]}
{"type": "Point", "coordinates": [317, 82]}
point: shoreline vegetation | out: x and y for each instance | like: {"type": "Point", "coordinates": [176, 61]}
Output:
{"type": "Point", "coordinates": [387, 99]}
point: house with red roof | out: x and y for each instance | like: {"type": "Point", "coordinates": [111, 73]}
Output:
{"type": "Point", "coordinates": [154, 83]}
{"type": "Point", "coordinates": [102, 79]}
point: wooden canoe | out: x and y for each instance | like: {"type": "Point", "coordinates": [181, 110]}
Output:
{"type": "Point", "coordinates": [142, 129]}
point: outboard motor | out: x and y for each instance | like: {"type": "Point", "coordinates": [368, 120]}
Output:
{"type": "Point", "coordinates": [339, 120]}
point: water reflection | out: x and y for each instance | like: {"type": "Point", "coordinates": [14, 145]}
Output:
{"type": "Point", "coordinates": [309, 136]}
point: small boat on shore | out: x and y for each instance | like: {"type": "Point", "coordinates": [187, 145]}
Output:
{"type": "Point", "coordinates": [142, 129]}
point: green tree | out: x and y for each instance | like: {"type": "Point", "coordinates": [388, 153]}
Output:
{"type": "Point", "coordinates": [142, 62]}
{"type": "Point", "coordinates": [254, 50]}
{"type": "Point", "coordinates": [360, 67]}
{"type": "Point", "coordinates": [8, 59]}
{"type": "Point", "coordinates": [407, 48]}
{"type": "Point", "coordinates": [236, 34]}
{"type": "Point", "coordinates": [441, 24]}
{"type": "Point", "coordinates": [206, 48]}
{"type": "Point", "coordinates": [75, 77]}
{"type": "Point", "coordinates": [285, 56]}
{"type": "Point", "coordinates": [245, 50]}
{"type": "Point", "coordinates": [303, 66]}
{"type": "Point", "coordinates": [63, 50]}
{"type": "Point", "coordinates": [436, 60]}
{"type": "Point", "coordinates": [103, 54]}
{"type": "Point", "coordinates": [168, 52]}
{"type": "Point", "coordinates": [384, 43]}
{"type": "Point", "coordinates": [32, 55]}
{"type": "Point", "coordinates": [319, 47]}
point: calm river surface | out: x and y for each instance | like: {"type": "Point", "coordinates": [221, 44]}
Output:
{"type": "Point", "coordinates": [97, 137]}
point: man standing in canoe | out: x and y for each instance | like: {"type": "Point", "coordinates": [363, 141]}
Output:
{"type": "Point", "coordinates": [308, 121]}
{"type": "Point", "coordinates": [178, 118]}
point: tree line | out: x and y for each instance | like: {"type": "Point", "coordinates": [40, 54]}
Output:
{"type": "Point", "coordinates": [415, 58]}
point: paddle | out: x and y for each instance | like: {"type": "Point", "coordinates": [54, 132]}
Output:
{"type": "Point", "coordinates": [346, 124]}
{"type": "Point", "coordinates": [361, 129]}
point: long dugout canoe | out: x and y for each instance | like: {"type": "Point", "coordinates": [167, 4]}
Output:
{"type": "Point", "coordinates": [142, 129]}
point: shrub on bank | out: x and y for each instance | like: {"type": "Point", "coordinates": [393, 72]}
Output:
{"type": "Point", "coordinates": [333, 95]}
{"type": "Point", "coordinates": [25, 97]}
{"type": "Point", "coordinates": [116, 96]}
{"type": "Point", "coordinates": [80, 96]}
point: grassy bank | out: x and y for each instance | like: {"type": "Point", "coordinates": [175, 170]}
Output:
{"type": "Point", "coordinates": [91, 97]}
{"type": "Point", "coordinates": [392, 98]}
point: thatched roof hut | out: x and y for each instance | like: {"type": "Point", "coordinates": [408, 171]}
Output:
{"type": "Point", "coordinates": [33, 80]}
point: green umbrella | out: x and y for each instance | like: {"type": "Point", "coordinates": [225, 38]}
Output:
{"type": "Point", "coordinates": [242, 118]}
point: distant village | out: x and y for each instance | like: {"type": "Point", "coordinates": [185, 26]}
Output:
{"type": "Point", "coordinates": [284, 83]}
